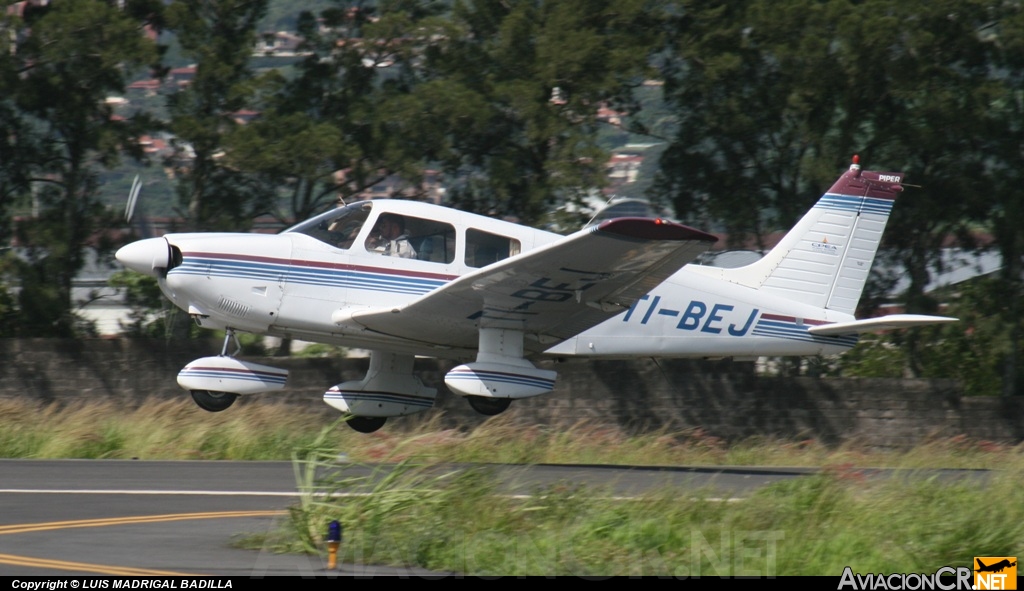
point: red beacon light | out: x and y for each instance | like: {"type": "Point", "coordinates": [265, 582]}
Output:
{"type": "Point", "coordinates": [856, 163]}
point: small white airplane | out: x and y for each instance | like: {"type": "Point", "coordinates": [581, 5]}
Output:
{"type": "Point", "coordinates": [403, 278]}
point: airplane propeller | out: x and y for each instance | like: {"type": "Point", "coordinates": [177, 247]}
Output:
{"type": "Point", "coordinates": [133, 197]}
{"type": "Point", "coordinates": [150, 256]}
{"type": "Point", "coordinates": [142, 227]}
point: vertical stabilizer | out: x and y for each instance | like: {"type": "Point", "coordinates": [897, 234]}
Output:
{"type": "Point", "coordinates": [825, 259]}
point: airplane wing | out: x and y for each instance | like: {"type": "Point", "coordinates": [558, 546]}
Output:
{"type": "Point", "coordinates": [550, 293]}
{"type": "Point", "coordinates": [881, 323]}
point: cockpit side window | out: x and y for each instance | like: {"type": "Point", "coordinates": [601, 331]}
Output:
{"type": "Point", "coordinates": [338, 227]}
{"type": "Point", "coordinates": [484, 248]}
{"type": "Point", "coordinates": [413, 238]}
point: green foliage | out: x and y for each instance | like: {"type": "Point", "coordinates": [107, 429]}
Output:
{"type": "Point", "coordinates": [263, 429]}
{"type": "Point", "coordinates": [412, 511]}
{"type": "Point", "coordinates": [8, 309]}
{"type": "Point", "coordinates": [872, 357]}
{"type": "Point", "coordinates": [412, 514]}
{"type": "Point", "coordinates": [371, 501]}
{"type": "Point", "coordinates": [218, 37]}
{"type": "Point", "coordinates": [344, 107]}
{"type": "Point", "coordinates": [142, 295]}
{"type": "Point", "coordinates": [975, 351]}
{"type": "Point", "coordinates": [322, 350]}
{"type": "Point", "coordinates": [150, 315]}
{"type": "Point", "coordinates": [155, 429]}
{"type": "Point", "coordinates": [252, 344]}
{"type": "Point", "coordinates": [59, 130]}
{"type": "Point", "coordinates": [249, 343]}
{"type": "Point", "coordinates": [517, 85]}
{"type": "Point", "coordinates": [767, 113]}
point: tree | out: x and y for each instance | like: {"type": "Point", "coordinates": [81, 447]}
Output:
{"type": "Point", "coordinates": [764, 116]}
{"type": "Point", "coordinates": [502, 97]}
{"type": "Point", "coordinates": [767, 113]}
{"type": "Point", "coordinates": [512, 91]}
{"type": "Point", "coordinates": [68, 60]}
{"type": "Point", "coordinates": [1004, 198]}
{"type": "Point", "coordinates": [220, 36]}
{"type": "Point", "coordinates": [321, 133]}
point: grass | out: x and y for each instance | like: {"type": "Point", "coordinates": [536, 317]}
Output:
{"type": "Point", "coordinates": [261, 429]}
{"type": "Point", "coordinates": [418, 512]}
{"type": "Point", "coordinates": [154, 429]}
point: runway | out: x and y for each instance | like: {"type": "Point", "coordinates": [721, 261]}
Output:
{"type": "Point", "coordinates": [181, 518]}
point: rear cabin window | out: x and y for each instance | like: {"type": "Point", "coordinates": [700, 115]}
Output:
{"type": "Point", "coordinates": [484, 248]}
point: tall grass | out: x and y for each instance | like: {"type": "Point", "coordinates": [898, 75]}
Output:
{"type": "Point", "coordinates": [460, 522]}
{"type": "Point", "coordinates": [154, 429]}
{"type": "Point", "coordinates": [417, 511]}
{"type": "Point", "coordinates": [261, 429]}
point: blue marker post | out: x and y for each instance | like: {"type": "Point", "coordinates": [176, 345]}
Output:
{"type": "Point", "coordinates": [333, 542]}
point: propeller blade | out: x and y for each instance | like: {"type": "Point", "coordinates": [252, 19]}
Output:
{"type": "Point", "coordinates": [133, 197]}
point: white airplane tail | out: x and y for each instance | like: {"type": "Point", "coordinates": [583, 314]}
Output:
{"type": "Point", "coordinates": [825, 259]}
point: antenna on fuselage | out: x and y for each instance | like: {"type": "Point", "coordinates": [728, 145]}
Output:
{"type": "Point", "coordinates": [600, 210]}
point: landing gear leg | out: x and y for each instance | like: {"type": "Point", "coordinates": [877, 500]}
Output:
{"type": "Point", "coordinates": [229, 336]}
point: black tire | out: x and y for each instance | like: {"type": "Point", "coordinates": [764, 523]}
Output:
{"type": "Point", "coordinates": [366, 424]}
{"type": "Point", "coordinates": [489, 406]}
{"type": "Point", "coordinates": [213, 401]}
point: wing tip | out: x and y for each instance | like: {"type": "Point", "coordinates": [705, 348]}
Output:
{"type": "Point", "coordinates": [653, 229]}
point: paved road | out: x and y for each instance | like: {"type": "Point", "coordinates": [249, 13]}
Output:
{"type": "Point", "coordinates": [114, 517]}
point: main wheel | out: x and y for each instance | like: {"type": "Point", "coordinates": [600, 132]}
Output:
{"type": "Point", "coordinates": [366, 424]}
{"type": "Point", "coordinates": [489, 406]}
{"type": "Point", "coordinates": [213, 401]}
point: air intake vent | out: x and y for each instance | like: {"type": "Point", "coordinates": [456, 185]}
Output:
{"type": "Point", "coordinates": [229, 306]}
{"type": "Point", "coordinates": [175, 258]}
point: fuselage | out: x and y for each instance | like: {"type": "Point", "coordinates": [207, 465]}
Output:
{"type": "Point", "coordinates": [294, 283]}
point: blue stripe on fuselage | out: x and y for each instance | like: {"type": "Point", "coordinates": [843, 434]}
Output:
{"type": "Point", "coordinates": [792, 330]}
{"type": "Point", "coordinates": [295, 272]}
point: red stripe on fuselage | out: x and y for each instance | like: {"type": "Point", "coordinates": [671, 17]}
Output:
{"type": "Point", "coordinates": [320, 265]}
{"type": "Point", "coordinates": [781, 318]}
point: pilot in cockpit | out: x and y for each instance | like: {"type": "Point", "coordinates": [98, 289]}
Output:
{"type": "Point", "coordinates": [389, 237]}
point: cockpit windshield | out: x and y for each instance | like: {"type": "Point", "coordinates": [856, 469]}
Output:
{"type": "Point", "coordinates": [392, 234]}
{"type": "Point", "coordinates": [337, 227]}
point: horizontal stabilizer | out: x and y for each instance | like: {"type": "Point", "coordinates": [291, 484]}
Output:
{"type": "Point", "coordinates": [891, 321]}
